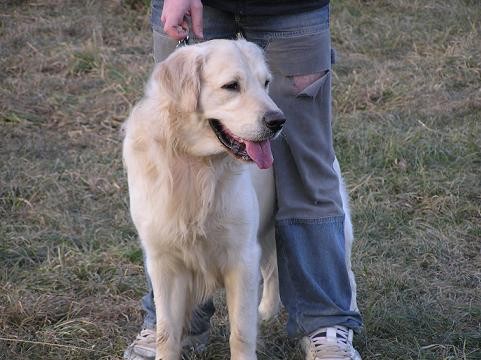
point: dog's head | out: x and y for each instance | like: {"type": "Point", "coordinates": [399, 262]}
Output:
{"type": "Point", "coordinates": [218, 101]}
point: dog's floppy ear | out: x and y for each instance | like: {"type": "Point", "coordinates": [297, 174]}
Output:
{"type": "Point", "coordinates": [179, 77]}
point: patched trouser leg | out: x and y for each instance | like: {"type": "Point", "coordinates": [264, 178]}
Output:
{"type": "Point", "coordinates": [313, 268]}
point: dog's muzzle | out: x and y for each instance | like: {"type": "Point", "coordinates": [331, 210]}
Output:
{"type": "Point", "coordinates": [258, 150]}
{"type": "Point", "coordinates": [274, 120]}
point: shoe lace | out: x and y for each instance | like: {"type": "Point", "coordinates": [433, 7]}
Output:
{"type": "Point", "coordinates": [146, 335]}
{"type": "Point", "coordinates": [331, 342]}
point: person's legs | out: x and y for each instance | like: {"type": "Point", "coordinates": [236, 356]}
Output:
{"type": "Point", "coordinates": [314, 269]}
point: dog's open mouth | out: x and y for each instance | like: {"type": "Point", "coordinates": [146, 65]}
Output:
{"type": "Point", "coordinates": [247, 150]}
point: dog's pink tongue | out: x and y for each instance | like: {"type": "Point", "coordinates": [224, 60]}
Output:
{"type": "Point", "coordinates": [260, 152]}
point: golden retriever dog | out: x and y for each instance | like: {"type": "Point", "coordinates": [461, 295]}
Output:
{"type": "Point", "coordinates": [191, 148]}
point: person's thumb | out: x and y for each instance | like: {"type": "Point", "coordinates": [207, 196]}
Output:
{"type": "Point", "coordinates": [197, 20]}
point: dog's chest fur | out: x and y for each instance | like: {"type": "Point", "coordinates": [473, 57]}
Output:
{"type": "Point", "coordinates": [201, 213]}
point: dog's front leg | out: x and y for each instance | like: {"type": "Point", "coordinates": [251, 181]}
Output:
{"type": "Point", "coordinates": [242, 284]}
{"type": "Point", "coordinates": [170, 298]}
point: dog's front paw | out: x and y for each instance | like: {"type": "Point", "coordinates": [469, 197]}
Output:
{"type": "Point", "coordinates": [243, 357]}
{"type": "Point", "coordinates": [170, 357]}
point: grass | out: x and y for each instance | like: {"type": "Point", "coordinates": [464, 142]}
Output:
{"type": "Point", "coordinates": [407, 133]}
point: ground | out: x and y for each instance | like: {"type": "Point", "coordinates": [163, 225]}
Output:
{"type": "Point", "coordinates": [407, 133]}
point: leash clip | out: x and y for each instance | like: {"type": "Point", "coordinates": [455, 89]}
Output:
{"type": "Point", "coordinates": [183, 42]}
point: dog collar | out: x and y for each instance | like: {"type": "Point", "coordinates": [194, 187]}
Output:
{"type": "Point", "coordinates": [183, 42]}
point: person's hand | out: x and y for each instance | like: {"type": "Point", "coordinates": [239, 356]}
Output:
{"type": "Point", "coordinates": [174, 15]}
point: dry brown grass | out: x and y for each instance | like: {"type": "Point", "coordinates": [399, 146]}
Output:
{"type": "Point", "coordinates": [408, 130]}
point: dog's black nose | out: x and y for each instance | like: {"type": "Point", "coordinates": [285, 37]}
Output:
{"type": "Point", "coordinates": [274, 120]}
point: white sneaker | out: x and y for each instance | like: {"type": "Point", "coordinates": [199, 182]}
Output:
{"type": "Point", "coordinates": [331, 343]}
{"type": "Point", "coordinates": [143, 347]}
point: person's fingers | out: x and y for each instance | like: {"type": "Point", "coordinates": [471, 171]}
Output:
{"type": "Point", "coordinates": [173, 17]}
{"type": "Point", "coordinates": [176, 32]}
{"type": "Point", "coordinates": [197, 20]}
{"type": "Point", "coordinates": [176, 26]}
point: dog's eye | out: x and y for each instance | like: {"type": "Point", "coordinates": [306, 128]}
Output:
{"type": "Point", "coordinates": [233, 86]}
{"type": "Point", "coordinates": [267, 83]}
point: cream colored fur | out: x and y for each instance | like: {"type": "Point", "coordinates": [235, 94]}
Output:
{"type": "Point", "coordinates": [194, 205]}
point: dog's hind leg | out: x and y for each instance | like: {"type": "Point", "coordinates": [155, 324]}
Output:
{"type": "Point", "coordinates": [270, 301]}
{"type": "Point", "coordinates": [242, 284]}
{"type": "Point", "coordinates": [170, 286]}
{"type": "Point", "coordinates": [263, 181]}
